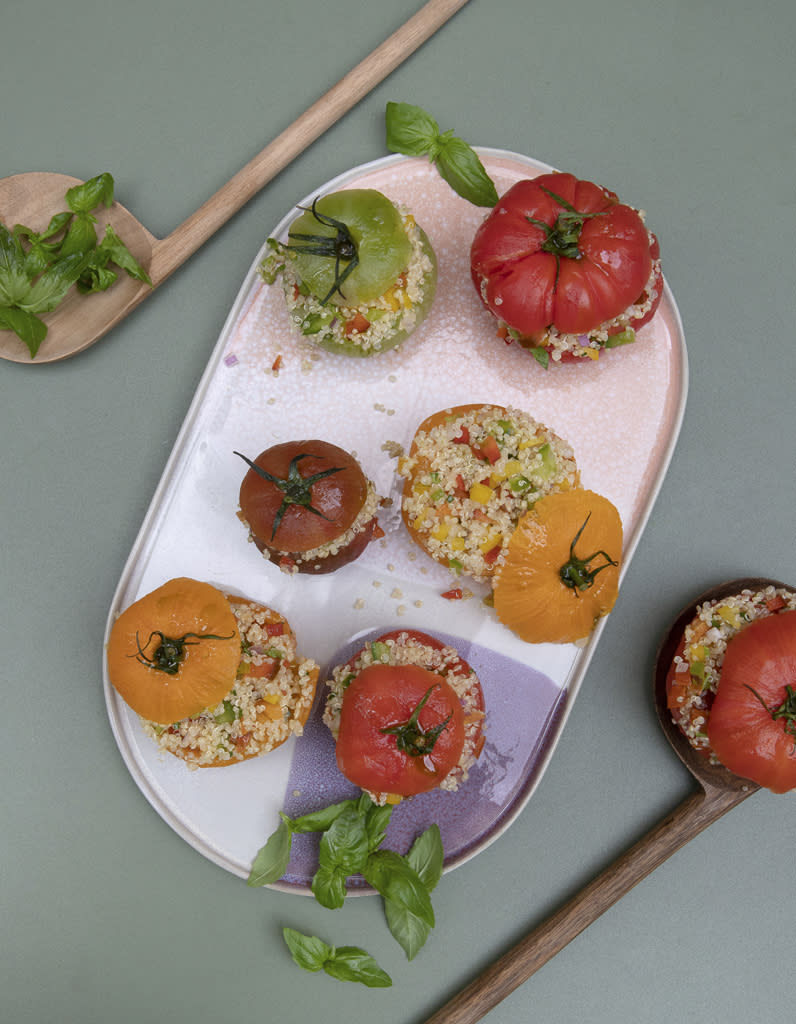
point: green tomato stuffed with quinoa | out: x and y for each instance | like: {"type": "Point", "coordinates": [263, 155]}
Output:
{"type": "Point", "coordinates": [359, 274]}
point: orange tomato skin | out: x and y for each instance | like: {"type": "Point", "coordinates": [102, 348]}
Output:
{"type": "Point", "coordinates": [743, 734]}
{"type": "Point", "coordinates": [529, 595]}
{"type": "Point", "coordinates": [178, 608]}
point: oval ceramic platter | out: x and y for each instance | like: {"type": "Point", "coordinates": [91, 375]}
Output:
{"type": "Point", "coordinates": [621, 414]}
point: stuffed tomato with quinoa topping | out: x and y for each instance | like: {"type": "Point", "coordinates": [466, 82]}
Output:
{"type": "Point", "coordinates": [731, 687]}
{"type": "Point", "coordinates": [472, 471]}
{"type": "Point", "coordinates": [359, 274]}
{"type": "Point", "coordinates": [216, 679]}
{"type": "Point", "coordinates": [407, 715]}
{"type": "Point", "coordinates": [566, 268]}
{"type": "Point", "coordinates": [308, 506]}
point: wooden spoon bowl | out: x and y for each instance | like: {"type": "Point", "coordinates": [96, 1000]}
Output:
{"type": "Point", "coordinates": [719, 790]}
{"type": "Point", "coordinates": [33, 198]}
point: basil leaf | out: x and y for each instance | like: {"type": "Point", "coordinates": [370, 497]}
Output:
{"type": "Point", "coordinates": [350, 963]}
{"type": "Point", "coordinates": [328, 886]}
{"type": "Point", "coordinates": [90, 194]}
{"type": "Point", "coordinates": [427, 856]}
{"type": "Point", "coordinates": [410, 931]}
{"type": "Point", "coordinates": [26, 326]}
{"type": "Point", "coordinates": [414, 132]}
{"type": "Point", "coordinates": [376, 822]}
{"type": "Point", "coordinates": [308, 951]}
{"type": "Point", "coordinates": [344, 845]}
{"type": "Point", "coordinates": [97, 277]}
{"type": "Point", "coordinates": [51, 287]}
{"type": "Point", "coordinates": [460, 166]}
{"type": "Point", "coordinates": [390, 875]}
{"type": "Point", "coordinates": [14, 282]}
{"type": "Point", "coordinates": [272, 860]}
{"type": "Point", "coordinates": [319, 821]}
{"type": "Point", "coordinates": [119, 254]}
{"type": "Point", "coordinates": [36, 259]}
{"type": "Point", "coordinates": [410, 130]}
{"type": "Point", "coordinates": [81, 236]}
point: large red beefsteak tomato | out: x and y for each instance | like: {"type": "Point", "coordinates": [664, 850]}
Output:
{"type": "Point", "coordinates": [564, 257]}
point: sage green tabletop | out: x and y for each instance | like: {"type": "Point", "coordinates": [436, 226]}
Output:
{"type": "Point", "coordinates": [686, 109]}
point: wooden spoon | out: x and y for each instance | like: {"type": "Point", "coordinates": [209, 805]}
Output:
{"type": "Point", "coordinates": [34, 197]}
{"type": "Point", "coordinates": [719, 791]}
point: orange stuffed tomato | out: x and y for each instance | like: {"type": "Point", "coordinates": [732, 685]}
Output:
{"type": "Point", "coordinates": [407, 714]}
{"type": "Point", "coordinates": [308, 506]}
{"type": "Point", "coordinates": [215, 679]}
{"type": "Point", "coordinates": [731, 688]}
{"type": "Point", "coordinates": [566, 268]}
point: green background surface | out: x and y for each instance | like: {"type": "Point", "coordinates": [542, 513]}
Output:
{"type": "Point", "coordinates": [686, 109]}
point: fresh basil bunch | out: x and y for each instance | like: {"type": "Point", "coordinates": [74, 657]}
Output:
{"type": "Point", "coordinates": [37, 268]}
{"type": "Point", "coordinates": [352, 834]}
{"type": "Point", "coordinates": [414, 132]}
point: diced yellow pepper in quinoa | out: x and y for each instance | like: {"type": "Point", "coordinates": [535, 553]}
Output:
{"type": "Point", "coordinates": [481, 493]}
{"type": "Point", "coordinates": [730, 615]}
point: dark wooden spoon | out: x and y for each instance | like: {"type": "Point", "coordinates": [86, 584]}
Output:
{"type": "Point", "coordinates": [32, 198]}
{"type": "Point", "coordinates": [719, 791]}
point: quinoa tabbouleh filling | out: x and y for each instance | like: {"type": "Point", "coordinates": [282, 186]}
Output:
{"type": "Point", "coordinates": [367, 328]}
{"type": "Point", "coordinates": [697, 666]}
{"type": "Point", "coordinates": [444, 661]}
{"type": "Point", "coordinates": [470, 477]}
{"type": "Point", "coordinates": [610, 334]}
{"type": "Point", "coordinates": [269, 702]}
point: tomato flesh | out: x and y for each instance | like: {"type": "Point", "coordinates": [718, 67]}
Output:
{"type": "Point", "coordinates": [759, 664]}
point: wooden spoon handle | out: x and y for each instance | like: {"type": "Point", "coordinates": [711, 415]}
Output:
{"type": "Point", "coordinates": [172, 252]}
{"type": "Point", "coordinates": [535, 949]}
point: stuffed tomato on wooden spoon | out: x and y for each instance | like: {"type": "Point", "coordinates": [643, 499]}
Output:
{"type": "Point", "coordinates": [731, 687]}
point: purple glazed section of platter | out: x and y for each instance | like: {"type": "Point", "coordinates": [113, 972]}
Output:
{"type": "Point", "coordinates": [522, 706]}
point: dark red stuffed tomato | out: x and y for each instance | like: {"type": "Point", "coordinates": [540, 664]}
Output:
{"type": "Point", "coordinates": [407, 713]}
{"type": "Point", "coordinates": [566, 268]}
{"type": "Point", "coordinates": [308, 506]}
{"type": "Point", "coordinates": [752, 724]}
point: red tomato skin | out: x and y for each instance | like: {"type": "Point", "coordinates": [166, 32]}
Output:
{"type": "Point", "coordinates": [741, 731]}
{"type": "Point", "coordinates": [531, 290]}
{"type": "Point", "coordinates": [339, 497]}
{"type": "Point", "coordinates": [385, 695]}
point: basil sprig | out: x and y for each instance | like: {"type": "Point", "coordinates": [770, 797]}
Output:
{"type": "Point", "coordinates": [346, 963]}
{"type": "Point", "coordinates": [352, 834]}
{"type": "Point", "coordinates": [37, 268]}
{"type": "Point", "coordinates": [414, 132]}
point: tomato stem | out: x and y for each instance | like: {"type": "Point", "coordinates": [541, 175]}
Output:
{"type": "Point", "coordinates": [576, 572]}
{"type": "Point", "coordinates": [562, 237]}
{"type": "Point", "coordinates": [170, 652]}
{"type": "Point", "coordinates": [297, 489]}
{"type": "Point", "coordinates": [338, 247]}
{"type": "Point", "coordinates": [410, 737]}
